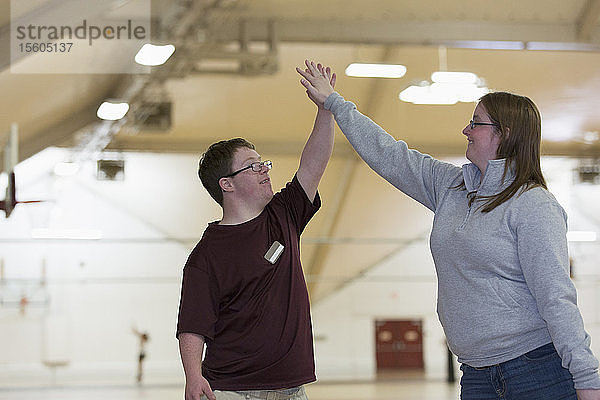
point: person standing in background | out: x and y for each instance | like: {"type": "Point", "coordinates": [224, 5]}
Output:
{"type": "Point", "coordinates": [144, 337]}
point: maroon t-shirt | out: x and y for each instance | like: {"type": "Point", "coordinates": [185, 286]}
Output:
{"type": "Point", "coordinates": [254, 315]}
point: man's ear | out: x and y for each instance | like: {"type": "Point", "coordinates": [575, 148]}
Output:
{"type": "Point", "coordinates": [226, 185]}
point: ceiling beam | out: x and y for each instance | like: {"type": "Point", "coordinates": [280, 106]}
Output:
{"type": "Point", "coordinates": [197, 146]}
{"type": "Point", "coordinates": [407, 32]}
{"type": "Point", "coordinates": [452, 33]}
{"type": "Point", "coordinates": [59, 134]}
{"type": "Point", "coordinates": [147, 143]}
{"type": "Point", "coordinates": [587, 19]}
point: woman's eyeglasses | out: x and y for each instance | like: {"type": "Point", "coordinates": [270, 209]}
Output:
{"type": "Point", "coordinates": [472, 124]}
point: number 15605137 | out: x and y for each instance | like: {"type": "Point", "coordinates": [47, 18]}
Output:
{"type": "Point", "coordinates": [45, 47]}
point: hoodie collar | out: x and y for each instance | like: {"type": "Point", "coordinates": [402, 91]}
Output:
{"type": "Point", "coordinates": [492, 182]}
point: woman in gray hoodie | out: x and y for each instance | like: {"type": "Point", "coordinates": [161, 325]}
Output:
{"type": "Point", "coordinates": [505, 299]}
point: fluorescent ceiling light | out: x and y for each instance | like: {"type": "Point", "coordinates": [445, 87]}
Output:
{"type": "Point", "coordinates": [66, 169]}
{"type": "Point", "coordinates": [112, 111]}
{"type": "Point", "coordinates": [427, 94]}
{"type": "Point", "coordinates": [454, 77]}
{"type": "Point", "coordinates": [376, 70]}
{"type": "Point", "coordinates": [152, 55]}
{"type": "Point", "coordinates": [71, 234]}
{"type": "Point", "coordinates": [486, 44]}
{"type": "Point", "coordinates": [466, 93]}
{"type": "Point", "coordinates": [447, 88]}
{"type": "Point", "coordinates": [561, 46]}
{"type": "Point", "coordinates": [590, 137]}
{"type": "Point", "coordinates": [581, 236]}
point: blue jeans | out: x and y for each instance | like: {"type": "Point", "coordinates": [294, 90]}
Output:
{"type": "Point", "coordinates": [537, 375]}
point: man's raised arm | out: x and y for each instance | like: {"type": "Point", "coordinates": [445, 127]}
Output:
{"type": "Point", "coordinates": [319, 146]}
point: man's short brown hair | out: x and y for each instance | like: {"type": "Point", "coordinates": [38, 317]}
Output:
{"type": "Point", "coordinates": [216, 162]}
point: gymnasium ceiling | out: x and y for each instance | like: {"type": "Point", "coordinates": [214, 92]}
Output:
{"type": "Point", "coordinates": [548, 50]}
{"type": "Point", "coordinates": [263, 100]}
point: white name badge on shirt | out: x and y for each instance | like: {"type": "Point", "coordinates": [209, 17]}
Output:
{"type": "Point", "coordinates": [274, 252]}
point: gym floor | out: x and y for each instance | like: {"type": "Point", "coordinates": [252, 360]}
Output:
{"type": "Point", "coordinates": [388, 389]}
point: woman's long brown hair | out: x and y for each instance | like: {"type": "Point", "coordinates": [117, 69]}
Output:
{"type": "Point", "coordinates": [520, 130]}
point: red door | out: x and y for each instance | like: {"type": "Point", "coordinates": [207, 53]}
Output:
{"type": "Point", "coordinates": [399, 344]}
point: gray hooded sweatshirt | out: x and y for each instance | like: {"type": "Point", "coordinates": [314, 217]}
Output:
{"type": "Point", "coordinates": [503, 280]}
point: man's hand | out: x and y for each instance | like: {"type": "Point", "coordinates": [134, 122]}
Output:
{"type": "Point", "coordinates": [191, 346]}
{"type": "Point", "coordinates": [196, 388]}
{"type": "Point", "coordinates": [588, 394]}
{"type": "Point", "coordinates": [318, 81]}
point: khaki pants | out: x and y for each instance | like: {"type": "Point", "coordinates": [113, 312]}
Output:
{"type": "Point", "coordinates": [282, 394]}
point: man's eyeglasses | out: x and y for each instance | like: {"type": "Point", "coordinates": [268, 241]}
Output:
{"type": "Point", "coordinates": [472, 124]}
{"type": "Point", "coordinates": [256, 167]}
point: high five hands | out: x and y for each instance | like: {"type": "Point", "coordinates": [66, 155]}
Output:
{"type": "Point", "coordinates": [318, 80]}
